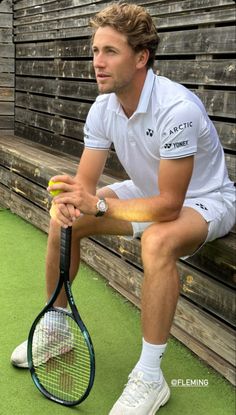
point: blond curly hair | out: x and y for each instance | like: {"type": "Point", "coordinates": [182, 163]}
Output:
{"type": "Point", "coordinates": [134, 22]}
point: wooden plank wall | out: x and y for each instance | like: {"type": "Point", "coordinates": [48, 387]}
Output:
{"type": "Point", "coordinates": [6, 67]}
{"type": "Point", "coordinates": [55, 87]}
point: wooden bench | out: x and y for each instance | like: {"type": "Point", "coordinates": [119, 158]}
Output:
{"type": "Point", "coordinates": [54, 88]}
{"type": "Point", "coordinates": [205, 315]}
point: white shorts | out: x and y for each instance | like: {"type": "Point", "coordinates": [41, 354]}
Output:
{"type": "Point", "coordinates": [218, 209]}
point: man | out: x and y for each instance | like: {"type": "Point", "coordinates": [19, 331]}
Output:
{"type": "Point", "coordinates": [178, 197]}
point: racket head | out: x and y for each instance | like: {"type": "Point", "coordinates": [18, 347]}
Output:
{"type": "Point", "coordinates": [61, 357]}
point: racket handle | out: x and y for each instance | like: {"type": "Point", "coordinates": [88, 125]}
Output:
{"type": "Point", "coordinates": [65, 249]}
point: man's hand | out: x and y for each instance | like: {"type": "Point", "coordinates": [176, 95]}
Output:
{"type": "Point", "coordinates": [72, 201]}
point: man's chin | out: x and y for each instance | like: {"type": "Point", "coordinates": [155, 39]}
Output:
{"type": "Point", "coordinates": [105, 90]}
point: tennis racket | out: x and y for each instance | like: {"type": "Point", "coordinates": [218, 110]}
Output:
{"type": "Point", "coordinates": [60, 352]}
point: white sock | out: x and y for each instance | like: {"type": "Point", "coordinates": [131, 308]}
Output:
{"type": "Point", "coordinates": [150, 360]}
{"type": "Point", "coordinates": [54, 320]}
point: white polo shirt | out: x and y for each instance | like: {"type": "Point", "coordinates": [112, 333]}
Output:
{"type": "Point", "coordinates": [170, 122]}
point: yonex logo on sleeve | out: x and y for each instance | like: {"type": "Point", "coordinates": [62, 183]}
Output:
{"type": "Point", "coordinates": [176, 145]}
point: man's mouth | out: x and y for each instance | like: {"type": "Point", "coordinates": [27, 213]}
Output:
{"type": "Point", "coordinates": [101, 76]}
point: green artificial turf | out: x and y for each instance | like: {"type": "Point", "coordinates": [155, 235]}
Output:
{"type": "Point", "coordinates": [114, 325]}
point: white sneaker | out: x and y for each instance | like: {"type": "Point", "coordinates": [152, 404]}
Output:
{"type": "Point", "coordinates": [140, 397]}
{"type": "Point", "coordinates": [46, 344]}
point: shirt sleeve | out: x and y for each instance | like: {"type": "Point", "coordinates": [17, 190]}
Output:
{"type": "Point", "coordinates": [94, 129]}
{"type": "Point", "coordinates": [180, 131]}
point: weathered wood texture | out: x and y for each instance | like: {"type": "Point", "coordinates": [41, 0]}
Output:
{"type": "Point", "coordinates": [6, 67]}
{"type": "Point", "coordinates": [55, 86]}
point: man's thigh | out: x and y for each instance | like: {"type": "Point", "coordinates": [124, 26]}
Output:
{"type": "Point", "coordinates": [180, 237]}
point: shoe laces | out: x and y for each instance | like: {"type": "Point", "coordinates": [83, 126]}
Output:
{"type": "Point", "coordinates": [136, 390]}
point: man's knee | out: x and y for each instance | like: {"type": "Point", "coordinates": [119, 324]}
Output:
{"type": "Point", "coordinates": [157, 242]}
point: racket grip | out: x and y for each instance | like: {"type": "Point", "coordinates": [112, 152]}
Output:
{"type": "Point", "coordinates": [65, 248]}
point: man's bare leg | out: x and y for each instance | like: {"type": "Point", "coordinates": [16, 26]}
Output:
{"type": "Point", "coordinates": [84, 226]}
{"type": "Point", "coordinates": [162, 244]}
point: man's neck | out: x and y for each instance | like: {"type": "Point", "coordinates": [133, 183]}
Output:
{"type": "Point", "coordinates": [129, 99]}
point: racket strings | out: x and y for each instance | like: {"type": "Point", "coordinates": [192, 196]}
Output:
{"type": "Point", "coordinates": [61, 356]}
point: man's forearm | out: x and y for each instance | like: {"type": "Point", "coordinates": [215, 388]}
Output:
{"type": "Point", "coordinates": [152, 209]}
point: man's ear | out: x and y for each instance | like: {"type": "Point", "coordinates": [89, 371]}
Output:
{"type": "Point", "coordinates": [142, 58]}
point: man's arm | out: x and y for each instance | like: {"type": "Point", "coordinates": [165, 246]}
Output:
{"type": "Point", "coordinates": [173, 179]}
{"type": "Point", "coordinates": [90, 168]}
{"type": "Point", "coordinates": [78, 193]}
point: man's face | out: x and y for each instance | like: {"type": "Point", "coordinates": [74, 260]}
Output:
{"type": "Point", "coordinates": [114, 61]}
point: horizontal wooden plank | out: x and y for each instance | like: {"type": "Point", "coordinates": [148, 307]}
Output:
{"type": "Point", "coordinates": [207, 355]}
{"type": "Point", "coordinates": [26, 210]}
{"type": "Point", "coordinates": [58, 125]}
{"type": "Point", "coordinates": [44, 14]}
{"type": "Point", "coordinates": [218, 103]}
{"type": "Point", "coordinates": [6, 108]}
{"type": "Point", "coordinates": [204, 72]}
{"type": "Point", "coordinates": [56, 68]}
{"type": "Point", "coordinates": [6, 6]}
{"type": "Point", "coordinates": [7, 64]}
{"type": "Point", "coordinates": [6, 94]}
{"type": "Point", "coordinates": [6, 122]}
{"type": "Point", "coordinates": [213, 296]}
{"type": "Point", "coordinates": [227, 134]}
{"type": "Point", "coordinates": [7, 50]}
{"type": "Point", "coordinates": [46, 32]}
{"type": "Point", "coordinates": [61, 10]}
{"type": "Point", "coordinates": [231, 166]}
{"type": "Point", "coordinates": [73, 109]}
{"type": "Point", "coordinates": [188, 5]}
{"type": "Point", "coordinates": [61, 88]}
{"type": "Point", "coordinates": [25, 188]}
{"type": "Point", "coordinates": [7, 79]}
{"type": "Point", "coordinates": [6, 20]}
{"type": "Point", "coordinates": [67, 146]}
{"type": "Point", "coordinates": [31, 161]}
{"type": "Point", "coordinates": [6, 35]}
{"type": "Point", "coordinates": [204, 41]}
{"type": "Point", "coordinates": [68, 28]}
{"type": "Point", "coordinates": [54, 7]}
{"type": "Point", "coordinates": [187, 19]}
{"type": "Point", "coordinates": [7, 131]}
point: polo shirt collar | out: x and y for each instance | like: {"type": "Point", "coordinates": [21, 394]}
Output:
{"type": "Point", "coordinates": [114, 104]}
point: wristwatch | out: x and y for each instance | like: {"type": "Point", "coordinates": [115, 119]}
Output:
{"type": "Point", "coordinates": [102, 207]}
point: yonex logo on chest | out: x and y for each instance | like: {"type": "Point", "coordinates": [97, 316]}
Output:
{"type": "Point", "coordinates": [149, 132]}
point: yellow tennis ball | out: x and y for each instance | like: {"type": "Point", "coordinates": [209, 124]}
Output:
{"type": "Point", "coordinates": [54, 192]}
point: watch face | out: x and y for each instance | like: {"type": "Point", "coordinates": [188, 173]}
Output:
{"type": "Point", "coordinates": [102, 205]}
